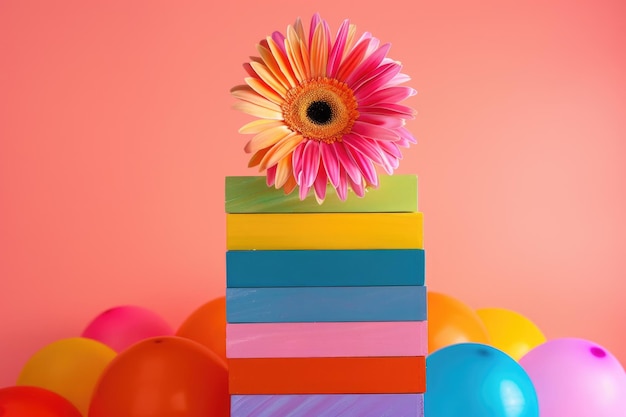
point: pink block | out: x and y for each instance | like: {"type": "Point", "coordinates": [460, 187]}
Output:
{"type": "Point", "coordinates": [304, 340]}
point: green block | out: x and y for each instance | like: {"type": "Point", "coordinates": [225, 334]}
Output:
{"type": "Point", "coordinates": [250, 194]}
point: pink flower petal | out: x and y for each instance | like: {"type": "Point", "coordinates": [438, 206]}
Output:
{"type": "Point", "coordinates": [390, 163]}
{"type": "Point", "coordinates": [374, 43]}
{"type": "Point", "coordinates": [406, 135]}
{"type": "Point", "coordinates": [353, 59]}
{"type": "Point", "coordinates": [279, 39]}
{"type": "Point", "coordinates": [365, 166]}
{"type": "Point", "coordinates": [391, 110]}
{"type": "Point", "coordinates": [368, 65]}
{"type": "Point", "coordinates": [347, 162]}
{"type": "Point", "coordinates": [403, 142]}
{"type": "Point", "coordinates": [388, 95]}
{"type": "Point", "coordinates": [367, 147]}
{"type": "Point", "coordinates": [316, 19]}
{"type": "Point", "coordinates": [391, 148]}
{"type": "Point", "coordinates": [296, 160]}
{"type": "Point", "coordinates": [336, 52]}
{"type": "Point", "coordinates": [321, 181]}
{"type": "Point", "coordinates": [372, 131]}
{"type": "Point", "coordinates": [375, 73]}
{"type": "Point", "coordinates": [310, 163]}
{"type": "Point", "coordinates": [342, 188]}
{"type": "Point", "coordinates": [397, 80]}
{"type": "Point", "coordinates": [388, 122]}
{"type": "Point", "coordinates": [357, 187]}
{"type": "Point", "coordinates": [304, 191]}
{"type": "Point", "coordinates": [383, 74]}
{"type": "Point", "coordinates": [330, 162]}
{"type": "Point", "coordinates": [271, 176]}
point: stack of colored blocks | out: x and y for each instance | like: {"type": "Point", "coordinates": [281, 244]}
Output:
{"type": "Point", "coordinates": [325, 304]}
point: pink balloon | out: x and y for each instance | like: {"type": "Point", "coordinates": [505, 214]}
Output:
{"type": "Point", "coordinates": [576, 378]}
{"type": "Point", "coordinates": [123, 326]}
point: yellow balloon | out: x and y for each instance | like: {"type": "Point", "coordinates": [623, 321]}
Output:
{"type": "Point", "coordinates": [69, 367]}
{"type": "Point", "coordinates": [510, 331]}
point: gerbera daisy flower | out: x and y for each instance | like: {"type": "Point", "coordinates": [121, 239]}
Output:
{"type": "Point", "coordinates": [327, 109]}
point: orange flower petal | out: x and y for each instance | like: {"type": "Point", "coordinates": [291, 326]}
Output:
{"type": "Point", "coordinates": [284, 170]}
{"type": "Point", "coordinates": [266, 75]}
{"type": "Point", "coordinates": [350, 39]}
{"type": "Point", "coordinates": [283, 62]}
{"type": "Point", "coordinates": [290, 185]}
{"type": "Point", "coordinates": [273, 66]}
{"type": "Point", "coordinates": [246, 93]}
{"type": "Point", "coordinates": [267, 138]}
{"type": "Point", "coordinates": [264, 90]}
{"type": "Point", "coordinates": [257, 157]}
{"type": "Point", "coordinates": [259, 125]}
{"type": "Point", "coordinates": [300, 30]}
{"type": "Point", "coordinates": [319, 52]}
{"type": "Point", "coordinates": [258, 111]}
{"type": "Point", "coordinates": [281, 150]}
{"type": "Point", "coordinates": [292, 45]}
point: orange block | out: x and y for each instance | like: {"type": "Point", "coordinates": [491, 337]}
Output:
{"type": "Point", "coordinates": [348, 375]}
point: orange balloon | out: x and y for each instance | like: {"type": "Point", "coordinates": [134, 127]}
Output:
{"type": "Point", "coordinates": [163, 377]}
{"type": "Point", "coordinates": [207, 325]}
{"type": "Point", "coordinates": [450, 322]}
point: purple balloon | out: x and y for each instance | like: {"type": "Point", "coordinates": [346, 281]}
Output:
{"type": "Point", "coordinates": [576, 378]}
{"type": "Point", "coordinates": [123, 326]}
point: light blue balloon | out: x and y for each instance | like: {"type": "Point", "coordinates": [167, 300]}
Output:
{"type": "Point", "coordinates": [477, 380]}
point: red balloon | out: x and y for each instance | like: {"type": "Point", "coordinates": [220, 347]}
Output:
{"type": "Point", "coordinates": [163, 377]}
{"type": "Point", "coordinates": [26, 401]}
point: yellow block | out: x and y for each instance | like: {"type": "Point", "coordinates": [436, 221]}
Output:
{"type": "Point", "coordinates": [310, 231]}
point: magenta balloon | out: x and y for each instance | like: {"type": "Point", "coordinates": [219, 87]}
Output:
{"type": "Point", "coordinates": [576, 378]}
{"type": "Point", "coordinates": [123, 326]}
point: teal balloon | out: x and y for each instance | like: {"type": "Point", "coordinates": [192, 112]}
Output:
{"type": "Point", "coordinates": [477, 380]}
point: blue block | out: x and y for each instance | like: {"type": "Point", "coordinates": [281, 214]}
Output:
{"type": "Point", "coordinates": [324, 268]}
{"type": "Point", "coordinates": [328, 405]}
{"type": "Point", "coordinates": [325, 304]}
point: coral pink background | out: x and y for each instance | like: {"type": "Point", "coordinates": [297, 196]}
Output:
{"type": "Point", "coordinates": [116, 134]}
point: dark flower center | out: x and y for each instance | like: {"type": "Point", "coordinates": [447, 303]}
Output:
{"type": "Point", "coordinates": [321, 109]}
{"type": "Point", "coordinates": [319, 112]}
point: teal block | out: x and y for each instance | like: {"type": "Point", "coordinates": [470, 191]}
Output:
{"type": "Point", "coordinates": [324, 268]}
